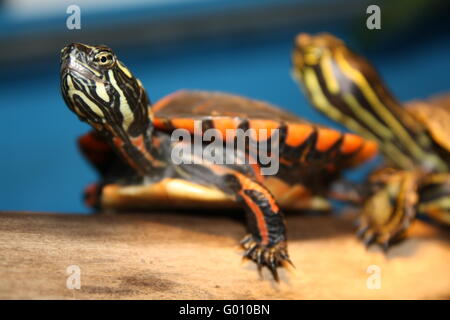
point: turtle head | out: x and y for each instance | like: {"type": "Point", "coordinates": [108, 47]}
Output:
{"type": "Point", "coordinates": [101, 91]}
{"type": "Point", "coordinates": [346, 87]}
{"type": "Point", "coordinates": [311, 50]}
{"type": "Point", "coordinates": [338, 69]}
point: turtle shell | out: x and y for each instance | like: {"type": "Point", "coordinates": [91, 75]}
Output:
{"type": "Point", "coordinates": [224, 111]}
{"type": "Point", "coordinates": [434, 113]}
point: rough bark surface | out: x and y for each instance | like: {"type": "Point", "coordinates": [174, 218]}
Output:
{"type": "Point", "coordinates": [184, 256]}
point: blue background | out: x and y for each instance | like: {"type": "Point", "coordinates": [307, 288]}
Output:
{"type": "Point", "coordinates": [41, 169]}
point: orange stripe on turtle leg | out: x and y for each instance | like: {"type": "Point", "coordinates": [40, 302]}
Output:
{"type": "Point", "coordinates": [266, 245]}
{"type": "Point", "coordinates": [268, 248]}
{"type": "Point", "coordinates": [259, 216]}
{"type": "Point", "coordinates": [249, 184]}
{"type": "Point", "coordinates": [246, 183]}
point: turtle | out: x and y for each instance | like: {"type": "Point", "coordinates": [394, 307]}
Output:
{"type": "Point", "coordinates": [156, 155]}
{"type": "Point", "coordinates": [414, 138]}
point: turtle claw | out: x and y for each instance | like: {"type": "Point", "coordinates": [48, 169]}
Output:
{"type": "Point", "coordinates": [274, 272]}
{"type": "Point", "coordinates": [290, 262]}
{"type": "Point", "coordinates": [270, 256]}
{"type": "Point", "coordinates": [385, 246]}
{"type": "Point", "coordinates": [361, 231]}
{"type": "Point", "coordinates": [368, 238]}
{"type": "Point", "coordinates": [248, 238]}
{"type": "Point", "coordinates": [379, 235]}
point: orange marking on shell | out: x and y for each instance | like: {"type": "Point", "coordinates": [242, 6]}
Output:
{"type": "Point", "coordinates": [184, 123]}
{"type": "Point", "coordinates": [160, 124]}
{"type": "Point", "coordinates": [224, 124]}
{"type": "Point", "coordinates": [351, 143]}
{"type": "Point", "coordinates": [326, 138]}
{"type": "Point", "coordinates": [258, 125]}
{"type": "Point", "coordinates": [297, 134]}
{"type": "Point", "coordinates": [368, 151]}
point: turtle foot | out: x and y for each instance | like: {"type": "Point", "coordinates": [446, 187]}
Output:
{"type": "Point", "coordinates": [382, 235]}
{"type": "Point", "coordinates": [271, 256]}
{"type": "Point", "coordinates": [389, 211]}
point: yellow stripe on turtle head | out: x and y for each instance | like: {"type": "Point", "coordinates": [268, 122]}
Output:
{"type": "Point", "coordinates": [125, 110]}
{"type": "Point", "coordinates": [124, 69]}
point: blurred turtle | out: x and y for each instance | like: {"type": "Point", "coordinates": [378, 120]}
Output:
{"type": "Point", "coordinates": [414, 139]}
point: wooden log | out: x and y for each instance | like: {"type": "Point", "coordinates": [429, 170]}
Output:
{"type": "Point", "coordinates": [185, 256]}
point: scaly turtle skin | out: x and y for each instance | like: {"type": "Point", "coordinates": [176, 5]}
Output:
{"type": "Point", "coordinates": [132, 147]}
{"type": "Point", "coordinates": [414, 139]}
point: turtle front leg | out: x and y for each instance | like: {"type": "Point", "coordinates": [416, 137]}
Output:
{"type": "Point", "coordinates": [390, 209]}
{"type": "Point", "coordinates": [266, 244]}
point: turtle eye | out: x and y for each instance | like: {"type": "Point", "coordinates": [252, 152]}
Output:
{"type": "Point", "coordinates": [104, 59]}
{"type": "Point", "coordinates": [313, 55]}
